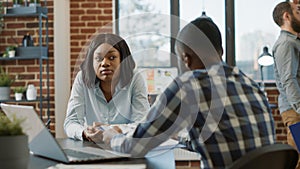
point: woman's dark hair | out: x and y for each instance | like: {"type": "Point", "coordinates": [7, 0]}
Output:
{"type": "Point", "coordinates": [127, 63]}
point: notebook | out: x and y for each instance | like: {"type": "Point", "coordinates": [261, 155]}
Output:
{"type": "Point", "coordinates": [295, 130]}
{"type": "Point", "coordinates": [42, 143]}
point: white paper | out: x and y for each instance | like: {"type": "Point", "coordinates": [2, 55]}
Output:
{"type": "Point", "coordinates": [168, 145]}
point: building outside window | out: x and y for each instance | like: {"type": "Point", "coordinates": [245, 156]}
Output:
{"type": "Point", "coordinates": [254, 29]}
{"type": "Point", "coordinates": [145, 25]}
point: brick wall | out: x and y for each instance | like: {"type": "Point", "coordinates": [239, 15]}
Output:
{"type": "Point", "coordinates": [272, 94]}
{"type": "Point", "coordinates": [187, 164]}
{"type": "Point", "coordinates": [87, 18]}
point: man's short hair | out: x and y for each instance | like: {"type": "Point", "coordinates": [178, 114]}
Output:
{"type": "Point", "coordinates": [279, 10]}
{"type": "Point", "coordinates": [201, 34]}
{"type": "Point", "coordinates": [211, 30]}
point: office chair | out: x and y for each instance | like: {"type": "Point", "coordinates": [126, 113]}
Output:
{"type": "Point", "coordinates": [275, 156]}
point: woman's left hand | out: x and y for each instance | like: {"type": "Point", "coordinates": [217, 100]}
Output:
{"type": "Point", "coordinates": [94, 133]}
{"type": "Point", "coordinates": [110, 133]}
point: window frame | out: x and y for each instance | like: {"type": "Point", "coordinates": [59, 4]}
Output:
{"type": "Point", "coordinates": [175, 11]}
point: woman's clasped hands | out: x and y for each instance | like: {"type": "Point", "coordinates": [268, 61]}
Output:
{"type": "Point", "coordinates": [95, 132]}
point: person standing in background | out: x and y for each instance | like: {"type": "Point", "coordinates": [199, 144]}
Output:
{"type": "Point", "coordinates": [286, 52]}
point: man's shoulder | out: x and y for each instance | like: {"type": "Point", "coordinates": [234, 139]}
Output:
{"type": "Point", "coordinates": [287, 39]}
{"type": "Point", "coordinates": [215, 70]}
{"type": "Point", "coordinates": [283, 46]}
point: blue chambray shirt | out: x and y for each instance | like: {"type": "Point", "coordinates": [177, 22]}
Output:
{"type": "Point", "coordinates": [225, 112]}
{"type": "Point", "coordinates": [286, 52]}
{"type": "Point", "coordinates": [87, 105]}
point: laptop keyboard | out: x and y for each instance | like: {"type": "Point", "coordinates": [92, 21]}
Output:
{"type": "Point", "coordinates": [81, 155]}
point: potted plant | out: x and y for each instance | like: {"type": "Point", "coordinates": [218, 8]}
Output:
{"type": "Point", "coordinates": [34, 3]}
{"type": "Point", "coordinates": [17, 3]}
{"type": "Point", "coordinates": [11, 51]}
{"type": "Point", "coordinates": [19, 92]}
{"type": "Point", "coordinates": [13, 143]}
{"type": "Point", "coordinates": [5, 83]}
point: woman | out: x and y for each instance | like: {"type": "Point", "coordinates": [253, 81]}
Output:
{"type": "Point", "coordinates": [107, 90]}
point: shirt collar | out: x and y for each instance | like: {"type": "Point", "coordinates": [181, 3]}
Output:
{"type": "Point", "coordinates": [223, 69]}
{"type": "Point", "coordinates": [117, 88]}
{"type": "Point", "coordinates": [287, 33]}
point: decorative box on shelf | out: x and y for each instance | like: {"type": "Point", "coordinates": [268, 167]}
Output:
{"type": "Point", "coordinates": [27, 10]}
{"type": "Point", "coordinates": [32, 51]}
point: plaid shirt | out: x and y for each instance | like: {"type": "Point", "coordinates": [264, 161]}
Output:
{"type": "Point", "coordinates": [224, 111]}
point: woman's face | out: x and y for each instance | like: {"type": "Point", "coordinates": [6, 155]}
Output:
{"type": "Point", "coordinates": [106, 62]}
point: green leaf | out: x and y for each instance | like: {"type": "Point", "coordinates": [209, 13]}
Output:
{"type": "Point", "coordinates": [10, 127]}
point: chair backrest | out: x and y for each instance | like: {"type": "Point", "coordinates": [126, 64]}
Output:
{"type": "Point", "coordinates": [275, 156]}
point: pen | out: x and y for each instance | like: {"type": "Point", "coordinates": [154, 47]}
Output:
{"type": "Point", "coordinates": [103, 128]}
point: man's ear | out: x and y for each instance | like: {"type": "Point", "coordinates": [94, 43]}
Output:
{"type": "Point", "coordinates": [286, 16]}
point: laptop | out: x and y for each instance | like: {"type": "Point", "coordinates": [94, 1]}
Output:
{"type": "Point", "coordinates": [295, 130]}
{"type": "Point", "coordinates": [42, 143]}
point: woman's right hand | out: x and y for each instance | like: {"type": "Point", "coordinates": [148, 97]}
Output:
{"type": "Point", "coordinates": [93, 133]}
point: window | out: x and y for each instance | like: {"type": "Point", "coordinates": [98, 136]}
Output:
{"type": "Point", "coordinates": [215, 9]}
{"type": "Point", "coordinates": [254, 29]}
{"type": "Point", "coordinates": [145, 25]}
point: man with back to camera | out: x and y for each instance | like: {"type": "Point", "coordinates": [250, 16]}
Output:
{"type": "Point", "coordinates": [286, 52]}
{"type": "Point", "coordinates": [225, 112]}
